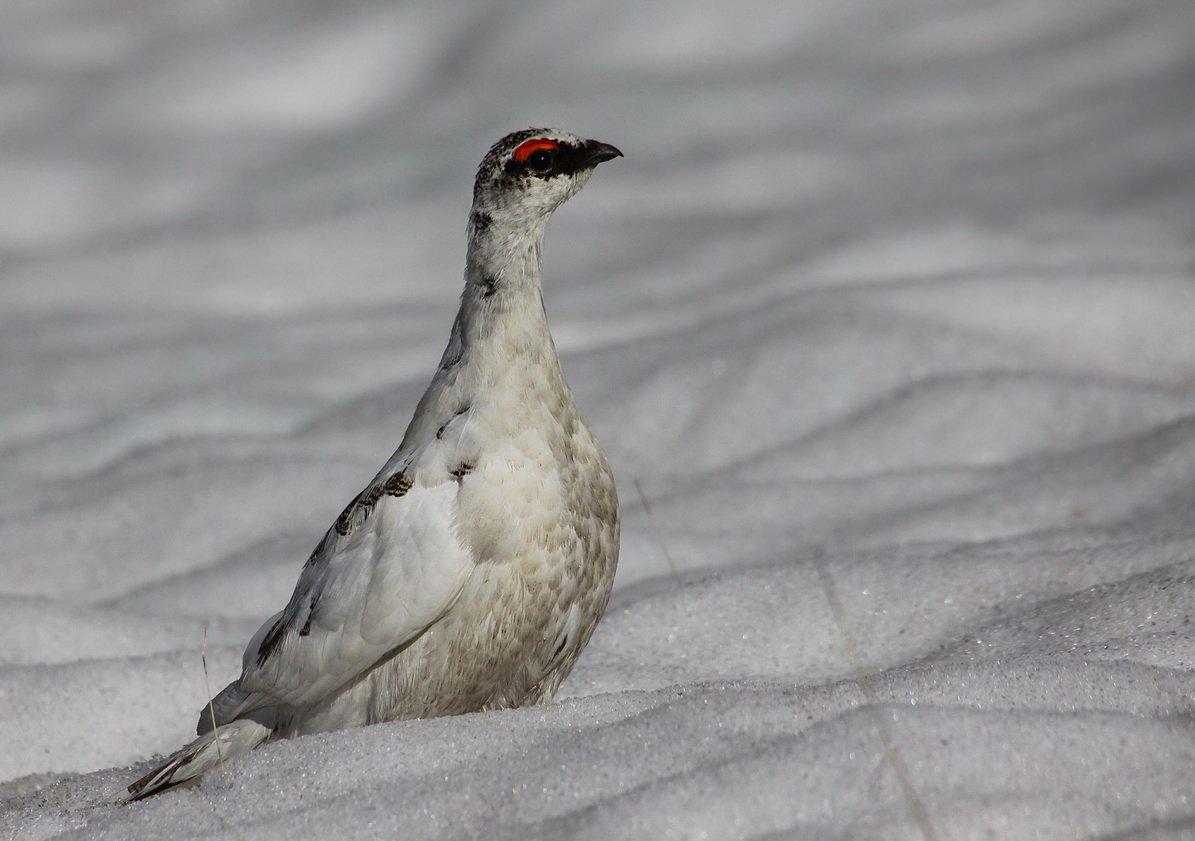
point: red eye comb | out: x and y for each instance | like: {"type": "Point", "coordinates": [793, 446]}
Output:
{"type": "Point", "coordinates": [525, 150]}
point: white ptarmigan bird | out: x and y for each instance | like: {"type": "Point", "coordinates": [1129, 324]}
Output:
{"type": "Point", "coordinates": [472, 570]}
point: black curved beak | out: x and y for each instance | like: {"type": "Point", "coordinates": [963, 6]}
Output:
{"type": "Point", "coordinates": [593, 152]}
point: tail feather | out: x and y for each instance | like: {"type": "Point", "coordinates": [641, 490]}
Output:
{"type": "Point", "coordinates": [188, 764]}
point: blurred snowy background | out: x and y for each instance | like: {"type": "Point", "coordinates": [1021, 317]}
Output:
{"type": "Point", "coordinates": [890, 310]}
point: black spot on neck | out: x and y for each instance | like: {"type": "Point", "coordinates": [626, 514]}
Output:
{"type": "Point", "coordinates": [482, 221]}
{"type": "Point", "coordinates": [489, 286]}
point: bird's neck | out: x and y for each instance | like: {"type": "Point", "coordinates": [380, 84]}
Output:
{"type": "Point", "coordinates": [502, 325]}
{"type": "Point", "coordinates": [500, 354]}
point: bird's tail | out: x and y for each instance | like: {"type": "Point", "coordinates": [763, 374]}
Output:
{"type": "Point", "coordinates": [188, 764]}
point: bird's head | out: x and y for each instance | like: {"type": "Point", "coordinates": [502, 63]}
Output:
{"type": "Point", "coordinates": [528, 174]}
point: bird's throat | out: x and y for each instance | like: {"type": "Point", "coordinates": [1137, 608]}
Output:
{"type": "Point", "coordinates": [502, 320]}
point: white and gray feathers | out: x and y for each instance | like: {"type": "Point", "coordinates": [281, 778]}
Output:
{"type": "Point", "coordinates": [471, 572]}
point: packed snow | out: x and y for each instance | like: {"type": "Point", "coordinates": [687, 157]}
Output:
{"type": "Point", "coordinates": [886, 321]}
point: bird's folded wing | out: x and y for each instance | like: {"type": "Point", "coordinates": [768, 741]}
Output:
{"type": "Point", "coordinates": [361, 597]}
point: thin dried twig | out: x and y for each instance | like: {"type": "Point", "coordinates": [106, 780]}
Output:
{"type": "Point", "coordinates": [211, 709]}
{"type": "Point", "coordinates": [651, 518]}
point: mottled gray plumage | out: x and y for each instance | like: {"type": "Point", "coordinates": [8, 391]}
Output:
{"type": "Point", "coordinates": [472, 570]}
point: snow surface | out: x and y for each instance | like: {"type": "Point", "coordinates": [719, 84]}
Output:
{"type": "Point", "coordinates": [889, 309]}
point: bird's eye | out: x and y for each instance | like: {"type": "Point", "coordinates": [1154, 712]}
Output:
{"type": "Point", "coordinates": [538, 155]}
